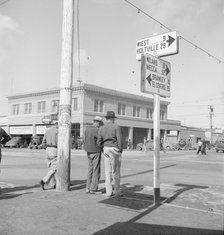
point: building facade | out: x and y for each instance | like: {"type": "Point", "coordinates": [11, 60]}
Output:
{"type": "Point", "coordinates": [134, 112]}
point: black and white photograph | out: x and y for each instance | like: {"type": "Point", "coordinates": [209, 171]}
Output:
{"type": "Point", "coordinates": [111, 117]}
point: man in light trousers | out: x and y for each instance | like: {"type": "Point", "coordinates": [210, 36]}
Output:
{"type": "Point", "coordinates": [110, 138]}
{"type": "Point", "coordinates": [50, 140]}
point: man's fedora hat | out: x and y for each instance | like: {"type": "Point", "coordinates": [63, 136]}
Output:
{"type": "Point", "coordinates": [110, 114]}
{"type": "Point", "coordinates": [98, 119]}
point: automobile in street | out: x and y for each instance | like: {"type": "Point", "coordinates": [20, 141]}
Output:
{"type": "Point", "coordinates": [16, 142]}
{"type": "Point", "coordinates": [219, 146]}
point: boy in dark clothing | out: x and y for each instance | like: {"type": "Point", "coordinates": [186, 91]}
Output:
{"type": "Point", "coordinates": [4, 138]}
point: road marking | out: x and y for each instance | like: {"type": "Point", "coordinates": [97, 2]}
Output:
{"type": "Point", "coordinates": [195, 209]}
{"type": "Point", "coordinates": [126, 169]}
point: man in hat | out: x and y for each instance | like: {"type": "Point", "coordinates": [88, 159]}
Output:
{"type": "Point", "coordinates": [109, 137]}
{"type": "Point", "coordinates": [93, 156]}
{"type": "Point", "coordinates": [50, 141]}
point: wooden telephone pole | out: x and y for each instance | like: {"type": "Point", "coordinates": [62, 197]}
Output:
{"type": "Point", "coordinates": [64, 123]}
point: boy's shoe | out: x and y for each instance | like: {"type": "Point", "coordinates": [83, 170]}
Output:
{"type": "Point", "coordinates": [95, 192]}
{"type": "Point", "coordinates": [42, 184]}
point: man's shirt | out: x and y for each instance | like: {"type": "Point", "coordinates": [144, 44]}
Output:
{"type": "Point", "coordinates": [90, 139]}
{"type": "Point", "coordinates": [51, 137]}
{"type": "Point", "coordinates": [109, 135]}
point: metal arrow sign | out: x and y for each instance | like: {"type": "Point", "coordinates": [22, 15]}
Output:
{"type": "Point", "coordinates": [155, 75]}
{"type": "Point", "coordinates": [159, 45]}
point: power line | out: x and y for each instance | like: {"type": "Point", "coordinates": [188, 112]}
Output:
{"type": "Point", "coordinates": [181, 37]}
{"type": "Point", "coordinates": [2, 3]}
{"type": "Point", "coordinates": [192, 105]}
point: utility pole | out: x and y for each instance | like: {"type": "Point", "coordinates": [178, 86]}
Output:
{"type": "Point", "coordinates": [64, 123]}
{"type": "Point", "coordinates": [211, 128]}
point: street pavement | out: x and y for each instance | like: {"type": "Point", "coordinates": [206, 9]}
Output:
{"type": "Point", "coordinates": [191, 188]}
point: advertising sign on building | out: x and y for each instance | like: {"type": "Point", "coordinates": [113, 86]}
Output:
{"type": "Point", "coordinates": [40, 130]}
{"type": "Point", "coordinates": [21, 130]}
{"type": "Point", "coordinates": [155, 76]}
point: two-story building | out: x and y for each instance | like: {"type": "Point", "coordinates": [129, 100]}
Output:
{"type": "Point", "coordinates": [134, 112]}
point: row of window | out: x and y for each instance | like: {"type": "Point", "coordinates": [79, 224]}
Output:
{"type": "Point", "coordinates": [98, 107]}
{"type": "Point", "coordinates": [121, 110]}
{"type": "Point", "coordinates": [26, 108]}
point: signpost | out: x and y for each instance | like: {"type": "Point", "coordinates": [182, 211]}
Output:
{"type": "Point", "coordinates": [159, 45]}
{"type": "Point", "coordinates": [155, 79]}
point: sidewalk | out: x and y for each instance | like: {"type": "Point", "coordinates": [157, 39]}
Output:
{"type": "Point", "coordinates": [184, 210]}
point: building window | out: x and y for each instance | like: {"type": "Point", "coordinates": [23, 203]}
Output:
{"type": "Point", "coordinates": [149, 113]}
{"type": "Point", "coordinates": [121, 109]}
{"type": "Point", "coordinates": [136, 111]}
{"type": "Point", "coordinates": [15, 109]}
{"type": "Point", "coordinates": [41, 106]}
{"type": "Point", "coordinates": [75, 103]}
{"type": "Point", "coordinates": [27, 108]}
{"type": "Point", "coordinates": [162, 115]}
{"type": "Point", "coordinates": [55, 106]}
{"type": "Point", "coordinates": [98, 106]}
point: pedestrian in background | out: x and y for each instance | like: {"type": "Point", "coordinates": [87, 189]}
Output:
{"type": "Point", "coordinates": [203, 147]}
{"type": "Point", "coordinates": [129, 145]}
{"type": "Point", "coordinates": [199, 146]}
{"type": "Point", "coordinates": [50, 140]}
{"type": "Point", "coordinates": [93, 156]}
{"type": "Point", "coordinates": [4, 138]}
{"type": "Point", "coordinates": [110, 138]}
{"type": "Point", "coordinates": [144, 149]}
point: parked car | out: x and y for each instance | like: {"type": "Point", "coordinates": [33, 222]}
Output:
{"type": "Point", "coordinates": [219, 145]}
{"type": "Point", "coordinates": [16, 142]}
{"type": "Point", "coordinates": [35, 142]}
{"type": "Point", "coordinates": [149, 145]}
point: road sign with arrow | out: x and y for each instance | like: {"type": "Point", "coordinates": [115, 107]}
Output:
{"type": "Point", "coordinates": [155, 75]}
{"type": "Point", "coordinates": [159, 45]}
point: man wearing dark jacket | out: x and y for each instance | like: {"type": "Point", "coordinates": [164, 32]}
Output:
{"type": "Point", "coordinates": [4, 137]}
{"type": "Point", "coordinates": [93, 155]}
{"type": "Point", "coordinates": [109, 137]}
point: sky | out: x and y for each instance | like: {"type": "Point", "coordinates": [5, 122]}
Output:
{"type": "Point", "coordinates": [30, 50]}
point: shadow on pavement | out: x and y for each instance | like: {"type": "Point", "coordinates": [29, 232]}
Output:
{"type": "Point", "coordinates": [134, 200]}
{"type": "Point", "coordinates": [127, 228]}
{"type": "Point", "coordinates": [144, 172]}
{"type": "Point", "coordinates": [12, 195]}
{"type": "Point", "coordinates": [77, 185]}
{"type": "Point", "coordinates": [19, 188]}
{"type": "Point", "coordinates": [184, 187]}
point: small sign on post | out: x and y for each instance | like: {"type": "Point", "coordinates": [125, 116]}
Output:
{"type": "Point", "coordinates": [159, 45]}
{"type": "Point", "coordinates": [155, 76]}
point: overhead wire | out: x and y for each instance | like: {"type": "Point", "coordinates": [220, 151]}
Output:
{"type": "Point", "coordinates": [2, 3]}
{"type": "Point", "coordinates": [78, 45]}
{"type": "Point", "coordinates": [180, 36]}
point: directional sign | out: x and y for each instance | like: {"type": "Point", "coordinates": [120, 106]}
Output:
{"type": "Point", "coordinates": [159, 45]}
{"type": "Point", "coordinates": [155, 75]}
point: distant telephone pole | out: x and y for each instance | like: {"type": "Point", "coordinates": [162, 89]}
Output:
{"type": "Point", "coordinates": [64, 122]}
{"type": "Point", "coordinates": [211, 128]}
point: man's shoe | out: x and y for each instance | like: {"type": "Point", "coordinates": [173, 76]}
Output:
{"type": "Point", "coordinates": [42, 184]}
{"type": "Point", "coordinates": [87, 191]}
{"type": "Point", "coordinates": [110, 195]}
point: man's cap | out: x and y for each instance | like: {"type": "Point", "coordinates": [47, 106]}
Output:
{"type": "Point", "coordinates": [110, 114]}
{"type": "Point", "coordinates": [98, 119]}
